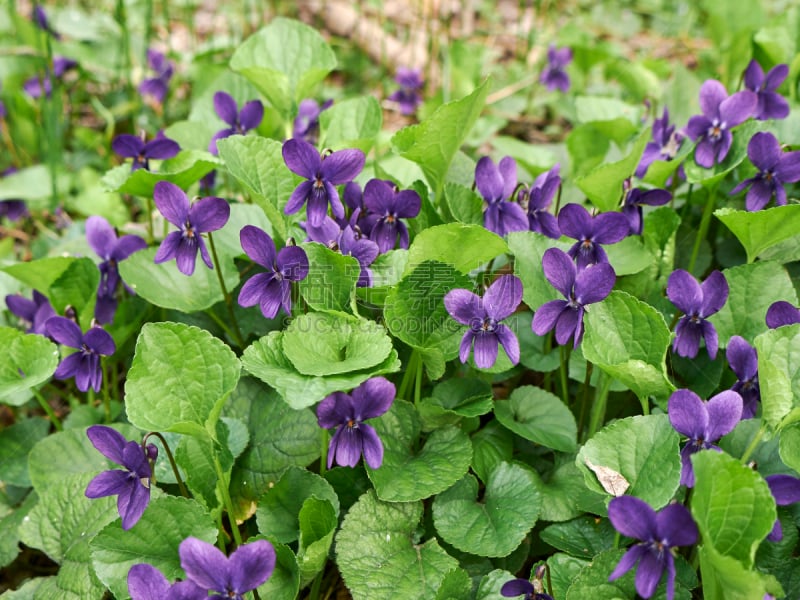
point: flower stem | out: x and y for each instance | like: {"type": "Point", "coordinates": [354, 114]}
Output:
{"type": "Point", "coordinates": [587, 387]}
{"type": "Point", "coordinates": [217, 267]}
{"type": "Point", "coordinates": [106, 392]}
{"type": "Point", "coordinates": [48, 409]}
{"type": "Point", "coordinates": [324, 439]}
{"type": "Point", "coordinates": [222, 486]}
{"type": "Point", "coordinates": [418, 383]}
{"type": "Point", "coordinates": [754, 443]}
{"type": "Point", "coordinates": [178, 478]}
{"type": "Point", "coordinates": [410, 370]}
{"type": "Point", "coordinates": [314, 593]}
{"type": "Point", "coordinates": [598, 413]}
{"type": "Point", "coordinates": [150, 233]}
{"type": "Point", "coordinates": [705, 221]}
{"type": "Point", "coordinates": [562, 371]}
{"type": "Point", "coordinates": [645, 405]}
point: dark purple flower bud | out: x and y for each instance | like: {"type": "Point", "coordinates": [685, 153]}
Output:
{"type": "Point", "coordinates": [786, 490]}
{"type": "Point", "coordinates": [697, 302]}
{"type": "Point", "coordinates": [39, 17]}
{"type": "Point", "coordinates": [635, 199]}
{"type": "Point", "coordinates": [145, 582]}
{"type": "Point", "coordinates": [518, 587]}
{"type": "Point", "coordinates": [386, 206]}
{"type": "Point", "coordinates": [364, 250]}
{"type": "Point", "coordinates": [665, 145]}
{"type": "Point", "coordinates": [484, 316]}
{"type": "Point", "coordinates": [306, 124]}
{"type": "Point", "coordinates": [83, 365]}
{"type": "Point", "coordinates": [606, 228]}
{"type": "Point", "coordinates": [711, 130]}
{"type": "Point", "coordinates": [322, 175]}
{"type": "Point", "coordinates": [131, 146]}
{"type": "Point", "coordinates": [347, 412]}
{"type": "Point", "coordinates": [538, 199]}
{"type": "Point", "coordinates": [743, 360]}
{"type": "Point", "coordinates": [232, 577]}
{"type": "Point", "coordinates": [704, 423]}
{"type": "Point", "coordinates": [782, 313]}
{"type": "Point", "coordinates": [37, 86]}
{"type": "Point", "coordinates": [273, 289]}
{"type": "Point", "coordinates": [34, 313]}
{"type": "Point", "coordinates": [579, 287]}
{"type": "Point", "coordinates": [496, 184]}
{"type": "Point", "coordinates": [157, 87]}
{"type": "Point", "coordinates": [239, 122]}
{"type": "Point", "coordinates": [554, 77]}
{"type": "Point", "coordinates": [3, 111]}
{"type": "Point", "coordinates": [408, 97]}
{"type": "Point", "coordinates": [208, 182]}
{"type": "Point", "coordinates": [103, 240]}
{"type": "Point", "coordinates": [205, 215]}
{"type": "Point", "coordinates": [775, 169]}
{"type": "Point", "coordinates": [132, 486]}
{"type": "Point", "coordinates": [771, 105]}
{"type": "Point", "coordinates": [659, 533]}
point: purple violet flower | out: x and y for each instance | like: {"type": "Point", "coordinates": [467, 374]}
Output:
{"type": "Point", "coordinates": [354, 199]}
{"type": "Point", "coordinates": [39, 18]}
{"type": "Point", "coordinates": [771, 105]}
{"type": "Point", "coordinates": [711, 130]}
{"type": "Point", "coordinates": [538, 198]}
{"type": "Point", "coordinates": [606, 228]}
{"type": "Point", "coordinates": [704, 423]}
{"type": "Point", "coordinates": [352, 243]}
{"type": "Point", "coordinates": [386, 206]}
{"type": "Point", "coordinates": [659, 534]}
{"type": "Point", "coordinates": [84, 365]}
{"type": "Point", "coordinates": [665, 145]}
{"type": "Point", "coordinates": [322, 175]}
{"type": "Point", "coordinates": [483, 316]}
{"type": "Point", "coordinates": [775, 168]}
{"type": "Point", "coordinates": [306, 124]}
{"type": "Point", "coordinates": [554, 77]}
{"type": "Point", "coordinates": [635, 199]}
{"type": "Point", "coordinates": [408, 97]}
{"type": "Point", "coordinates": [103, 240]}
{"type": "Point", "coordinates": [131, 146]}
{"type": "Point", "coordinates": [697, 302]}
{"type": "Point", "coordinates": [239, 121]}
{"type": "Point", "coordinates": [580, 287]}
{"type": "Point", "coordinates": [205, 215]}
{"type": "Point", "coordinates": [232, 577]}
{"type": "Point", "coordinates": [273, 289]}
{"type": "Point", "coordinates": [37, 86]}
{"type": "Point", "coordinates": [518, 587]}
{"type": "Point", "coordinates": [34, 312]}
{"type": "Point", "coordinates": [145, 582]}
{"type": "Point", "coordinates": [782, 313]}
{"type": "Point", "coordinates": [786, 490]}
{"type": "Point", "coordinates": [743, 360]}
{"type": "Point", "coordinates": [11, 209]}
{"type": "Point", "coordinates": [157, 87]}
{"type": "Point", "coordinates": [496, 183]}
{"type": "Point", "coordinates": [347, 412]}
{"type": "Point", "coordinates": [132, 485]}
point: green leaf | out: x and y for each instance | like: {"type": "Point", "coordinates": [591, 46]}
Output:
{"type": "Point", "coordinates": [464, 204]}
{"type": "Point", "coordinates": [408, 475]}
{"type": "Point", "coordinates": [592, 581]}
{"type": "Point", "coordinates": [583, 537]}
{"type": "Point", "coordinates": [188, 167]}
{"type": "Point", "coordinates": [725, 578]}
{"type": "Point", "coordinates": [491, 583]}
{"type": "Point", "coordinates": [528, 248]}
{"type": "Point", "coordinates": [61, 525]}
{"type": "Point", "coordinates": [737, 153]}
{"type": "Point", "coordinates": [563, 571]}
{"type": "Point", "coordinates": [76, 287]}
{"type": "Point", "coordinates": [629, 256]}
{"type": "Point", "coordinates": [433, 143]}
{"type": "Point", "coordinates": [42, 273]}
{"type": "Point", "coordinates": [491, 445]}
{"type": "Point", "coordinates": [732, 506]}
{"type": "Point", "coordinates": [285, 60]}
{"type": "Point", "coordinates": [628, 339]}
{"type": "Point", "coordinates": [744, 312]}
{"type": "Point", "coordinates": [16, 443]}
{"type": "Point", "coordinates": [496, 525]}
{"type": "Point", "coordinates": [280, 437]}
{"type": "Point", "coordinates": [352, 123]}
{"type": "Point", "coordinates": [278, 512]}
{"type": "Point", "coordinates": [179, 379]}
{"type": "Point", "coordinates": [153, 540]}
{"type": "Point", "coordinates": [644, 450]}
{"type": "Point", "coordinates": [265, 359]}
{"type": "Point", "coordinates": [32, 184]}
{"type": "Point", "coordinates": [562, 491]}
{"type": "Point", "coordinates": [26, 361]}
{"type": "Point", "coordinates": [284, 583]}
{"type": "Point", "coordinates": [458, 397]}
{"type": "Point", "coordinates": [318, 521]}
{"type": "Point", "coordinates": [660, 171]}
{"type": "Point", "coordinates": [456, 585]}
{"type": "Point", "coordinates": [538, 416]}
{"type": "Point", "coordinates": [379, 554]}
{"type": "Point", "coordinates": [603, 184]}
{"type": "Point", "coordinates": [465, 247]}
{"type": "Point", "coordinates": [760, 230]}
{"type": "Point", "coordinates": [331, 279]}
{"type": "Point", "coordinates": [257, 163]}
{"type": "Point", "coordinates": [600, 108]}
{"type": "Point", "coordinates": [532, 157]}
{"type": "Point", "coordinates": [790, 446]}
{"type": "Point", "coordinates": [9, 530]}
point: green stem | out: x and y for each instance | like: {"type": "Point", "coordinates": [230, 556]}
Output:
{"type": "Point", "coordinates": [645, 403]}
{"type": "Point", "coordinates": [587, 388]}
{"type": "Point", "coordinates": [598, 413]}
{"type": "Point", "coordinates": [705, 221]}
{"type": "Point", "coordinates": [314, 593]}
{"type": "Point", "coordinates": [106, 392]}
{"type": "Point", "coordinates": [324, 439]}
{"type": "Point", "coordinates": [217, 267]}
{"type": "Point", "coordinates": [151, 237]}
{"type": "Point", "coordinates": [48, 409]}
{"type": "Point", "coordinates": [754, 443]}
{"type": "Point", "coordinates": [411, 369]}
{"type": "Point", "coordinates": [418, 382]}
{"type": "Point", "coordinates": [222, 486]}
{"type": "Point", "coordinates": [172, 463]}
{"type": "Point", "coordinates": [562, 372]}
{"type": "Point", "coordinates": [222, 325]}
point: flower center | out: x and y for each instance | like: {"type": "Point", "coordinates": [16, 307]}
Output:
{"type": "Point", "coordinates": [716, 129]}
{"type": "Point", "coordinates": [188, 230]}
{"type": "Point", "coordinates": [352, 424]}
{"type": "Point", "coordinates": [488, 325]}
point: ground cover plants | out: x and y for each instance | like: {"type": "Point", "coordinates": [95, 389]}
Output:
{"type": "Point", "coordinates": [291, 311]}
